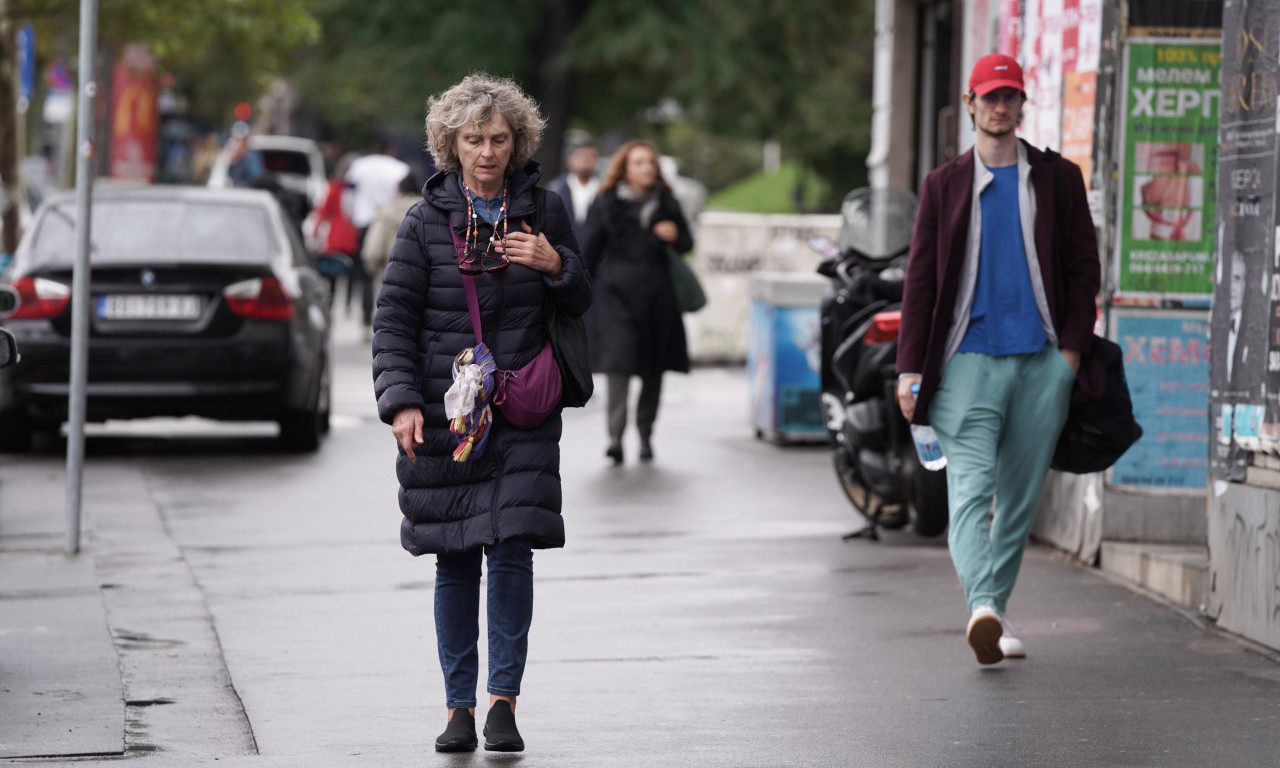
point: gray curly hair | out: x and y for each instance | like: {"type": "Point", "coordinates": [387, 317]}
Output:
{"type": "Point", "coordinates": [473, 103]}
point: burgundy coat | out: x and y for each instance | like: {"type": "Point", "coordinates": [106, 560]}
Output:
{"type": "Point", "coordinates": [1066, 246]}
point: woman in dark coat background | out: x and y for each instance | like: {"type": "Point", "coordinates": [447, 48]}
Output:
{"type": "Point", "coordinates": [637, 328]}
{"type": "Point", "coordinates": [501, 502]}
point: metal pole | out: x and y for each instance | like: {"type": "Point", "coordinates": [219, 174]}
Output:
{"type": "Point", "coordinates": [80, 277]}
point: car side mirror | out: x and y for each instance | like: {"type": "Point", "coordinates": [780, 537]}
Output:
{"type": "Point", "coordinates": [8, 349]}
{"type": "Point", "coordinates": [8, 300]}
{"type": "Point", "coordinates": [333, 264]}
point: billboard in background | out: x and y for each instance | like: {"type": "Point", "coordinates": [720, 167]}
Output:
{"type": "Point", "coordinates": [1088, 36]}
{"type": "Point", "coordinates": [1079, 96]}
{"type": "Point", "coordinates": [1059, 56]}
{"type": "Point", "coordinates": [1166, 362]}
{"type": "Point", "coordinates": [1246, 301]}
{"type": "Point", "coordinates": [1042, 67]}
{"type": "Point", "coordinates": [1010, 28]}
{"type": "Point", "coordinates": [135, 121]}
{"type": "Point", "coordinates": [1167, 200]}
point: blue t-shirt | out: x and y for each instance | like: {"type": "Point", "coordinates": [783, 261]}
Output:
{"type": "Point", "coordinates": [1004, 319]}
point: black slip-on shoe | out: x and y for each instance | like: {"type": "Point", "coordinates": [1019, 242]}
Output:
{"type": "Point", "coordinates": [646, 450]}
{"type": "Point", "coordinates": [500, 733]}
{"type": "Point", "coordinates": [460, 734]}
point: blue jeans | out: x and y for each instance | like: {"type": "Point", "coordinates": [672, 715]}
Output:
{"type": "Point", "coordinates": [997, 419]}
{"type": "Point", "coordinates": [510, 612]}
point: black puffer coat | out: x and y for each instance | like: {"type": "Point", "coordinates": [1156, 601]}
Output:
{"type": "Point", "coordinates": [636, 326]}
{"type": "Point", "coordinates": [421, 324]}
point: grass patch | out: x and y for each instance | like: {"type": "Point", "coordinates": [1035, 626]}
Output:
{"type": "Point", "coordinates": [770, 193]}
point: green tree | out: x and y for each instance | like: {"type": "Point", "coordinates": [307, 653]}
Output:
{"type": "Point", "coordinates": [219, 51]}
{"type": "Point", "coordinates": [379, 60]}
{"type": "Point", "coordinates": [795, 71]}
{"type": "Point", "coordinates": [798, 72]}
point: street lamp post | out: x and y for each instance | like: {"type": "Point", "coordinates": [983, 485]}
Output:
{"type": "Point", "coordinates": [80, 278]}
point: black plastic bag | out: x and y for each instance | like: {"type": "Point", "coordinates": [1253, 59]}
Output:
{"type": "Point", "coordinates": [568, 336]}
{"type": "Point", "coordinates": [568, 333]}
{"type": "Point", "coordinates": [1100, 424]}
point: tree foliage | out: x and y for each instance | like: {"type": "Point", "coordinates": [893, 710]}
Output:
{"type": "Point", "coordinates": [379, 60]}
{"type": "Point", "coordinates": [793, 70]}
{"type": "Point", "coordinates": [742, 70]}
{"type": "Point", "coordinates": [798, 72]}
{"type": "Point", "coordinates": [219, 51]}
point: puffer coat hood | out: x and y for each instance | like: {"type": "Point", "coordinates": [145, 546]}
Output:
{"type": "Point", "coordinates": [421, 323]}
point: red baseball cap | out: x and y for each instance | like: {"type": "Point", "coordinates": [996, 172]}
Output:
{"type": "Point", "coordinates": [995, 70]}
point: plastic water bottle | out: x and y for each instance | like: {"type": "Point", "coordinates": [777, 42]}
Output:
{"type": "Point", "coordinates": [927, 446]}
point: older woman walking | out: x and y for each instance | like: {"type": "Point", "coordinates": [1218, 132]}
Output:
{"type": "Point", "coordinates": [637, 330]}
{"type": "Point", "coordinates": [502, 500]}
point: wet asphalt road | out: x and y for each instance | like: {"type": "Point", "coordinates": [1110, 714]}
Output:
{"type": "Point", "coordinates": [705, 612]}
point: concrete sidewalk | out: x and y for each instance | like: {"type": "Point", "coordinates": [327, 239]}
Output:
{"type": "Point", "coordinates": [73, 627]}
{"type": "Point", "coordinates": [60, 689]}
{"type": "Point", "coordinates": [705, 612]}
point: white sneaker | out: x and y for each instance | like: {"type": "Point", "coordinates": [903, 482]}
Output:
{"type": "Point", "coordinates": [984, 633]}
{"type": "Point", "coordinates": [1011, 646]}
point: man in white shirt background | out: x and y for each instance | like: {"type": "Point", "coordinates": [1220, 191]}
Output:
{"type": "Point", "coordinates": [577, 187]}
{"type": "Point", "coordinates": [373, 180]}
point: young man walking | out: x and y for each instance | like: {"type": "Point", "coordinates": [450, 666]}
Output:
{"type": "Point", "coordinates": [999, 306]}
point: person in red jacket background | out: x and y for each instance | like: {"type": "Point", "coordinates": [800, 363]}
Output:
{"type": "Point", "coordinates": [333, 228]}
{"type": "Point", "coordinates": [998, 308]}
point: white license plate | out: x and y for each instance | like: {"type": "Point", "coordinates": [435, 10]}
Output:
{"type": "Point", "coordinates": [148, 307]}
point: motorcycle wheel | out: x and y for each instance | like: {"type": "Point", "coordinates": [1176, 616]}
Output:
{"type": "Point", "coordinates": [928, 500]}
{"type": "Point", "coordinates": [863, 500]}
{"type": "Point", "coordinates": [858, 495]}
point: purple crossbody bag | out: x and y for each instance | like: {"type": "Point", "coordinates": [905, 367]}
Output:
{"type": "Point", "coordinates": [526, 396]}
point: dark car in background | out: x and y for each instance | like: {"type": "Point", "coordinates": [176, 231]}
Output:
{"type": "Point", "coordinates": [203, 302]}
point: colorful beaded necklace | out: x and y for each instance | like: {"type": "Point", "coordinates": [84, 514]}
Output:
{"type": "Point", "coordinates": [468, 251]}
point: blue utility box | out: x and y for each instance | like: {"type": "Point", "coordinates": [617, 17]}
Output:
{"type": "Point", "coordinates": [784, 356]}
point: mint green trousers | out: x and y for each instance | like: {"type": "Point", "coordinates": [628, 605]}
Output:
{"type": "Point", "coordinates": [997, 420]}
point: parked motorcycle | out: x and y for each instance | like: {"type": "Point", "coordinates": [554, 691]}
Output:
{"type": "Point", "coordinates": [875, 459]}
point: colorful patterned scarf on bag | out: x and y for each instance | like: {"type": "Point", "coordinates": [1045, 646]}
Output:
{"type": "Point", "coordinates": [467, 401]}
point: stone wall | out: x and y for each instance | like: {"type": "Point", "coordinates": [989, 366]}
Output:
{"type": "Point", "coordinates": [1244, 560]}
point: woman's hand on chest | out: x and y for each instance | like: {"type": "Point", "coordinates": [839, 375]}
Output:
{"type": "Point", "coordinates": [533, 251]}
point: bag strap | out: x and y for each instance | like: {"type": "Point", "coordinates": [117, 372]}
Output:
{"type": "Point", "coordinates": [535, 226]}
{"type": "Point", "coordinates": [539, 210]}
{"type": "Point", "coordinates": [469, 288]}
{"type": "Point", "coordinates": [473, 305]}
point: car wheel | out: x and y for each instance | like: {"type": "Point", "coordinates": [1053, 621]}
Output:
{"type": "Point", "coordinates": [16, 431]}
{"type": "Point", "coordinates": [326, 399]}
{"type": "Point", "coordinates": [300, 430]}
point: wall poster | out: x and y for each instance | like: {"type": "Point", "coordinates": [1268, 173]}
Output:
{"type": "Point", "coordinates": [1167, 201]}
{"type": "Point", "coordinates": [1166, 362]}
